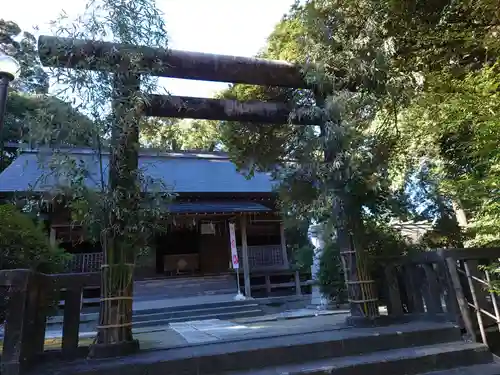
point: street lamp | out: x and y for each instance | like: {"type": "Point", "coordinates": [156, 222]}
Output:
{"type": "Point", "coordinates": [9, 70]}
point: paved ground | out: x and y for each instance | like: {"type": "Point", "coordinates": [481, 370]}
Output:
{"type": "Point", "coordinates": [215, 330]}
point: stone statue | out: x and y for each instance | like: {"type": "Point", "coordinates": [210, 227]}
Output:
{"type": "Point", "coordinates": [316, 236]}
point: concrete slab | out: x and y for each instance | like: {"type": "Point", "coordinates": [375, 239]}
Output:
{"type": "Point", "coordinates": [220, 330]}
{"type": "Point", "coordinates": [204, 331]}
{"type": "Point", "coordinates": [160, 339]}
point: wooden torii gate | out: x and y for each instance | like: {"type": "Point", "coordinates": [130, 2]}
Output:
{"type": "Point", "coordinates": [115, 58]}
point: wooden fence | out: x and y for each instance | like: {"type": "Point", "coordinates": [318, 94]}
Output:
{"type": "Point", "coordinates": [85, 262]}
{"type": "Point", "coordinates": [445, 284]}
{"type": "Point", "coordinates": [448, 285]}
{"type": "Point", "coordinates": [263, 257]}
{"type": "Point", "coordinates": [30, 298]}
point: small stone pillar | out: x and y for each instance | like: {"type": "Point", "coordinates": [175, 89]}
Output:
{"type": "Point", "coordinates": [315, 234]}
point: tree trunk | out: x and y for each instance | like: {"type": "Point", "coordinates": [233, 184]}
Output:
{"type": "Point", "coordinates": [120, 237]}
{"type": "Point", "coordinates": [363, 299]}
{"type": "Point", "coordinates": [361, 291]}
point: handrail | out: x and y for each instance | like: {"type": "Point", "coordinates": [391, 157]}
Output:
{"type": "Point", "coordinates": [472, 253]}
{"type": "Point", "coordinates": [418, 283]}
{"type": "Point", "coordinates": [30, 296]}
{"type": "Point", "coordinates": [436, 255]}
{"type": "Point", "coordinates": [438, 284]}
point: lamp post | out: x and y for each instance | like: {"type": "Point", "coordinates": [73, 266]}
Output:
{"type": "Point", "coordinates": [9, 70]}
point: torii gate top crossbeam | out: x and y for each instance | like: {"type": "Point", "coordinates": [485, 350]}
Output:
{"type": "Point", "coordinates": [105, 56]}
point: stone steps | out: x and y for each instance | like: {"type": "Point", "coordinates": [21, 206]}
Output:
{"type": "Point", "coordinates": [228, 310]}
{"type": "Point", "coordinates": [163, 316]}
{"type": "Point", "coordinates": [406, 349]}
{"type": "Point", "coordinates": [484, 369]}
{"type": "Point", "coordinates": [406, 361]}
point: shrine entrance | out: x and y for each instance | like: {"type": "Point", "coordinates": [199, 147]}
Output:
{"type": "Point", "coordinates": [115, 58]}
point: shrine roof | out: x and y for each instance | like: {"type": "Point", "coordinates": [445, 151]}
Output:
{"type": "Point", "coordinates": [179, 172]}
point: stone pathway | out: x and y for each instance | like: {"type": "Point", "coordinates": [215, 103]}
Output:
{"type": "Point", "coordinates": [210, 330]}
{"type": "Point", "coordinates": [204, 331]}
{"type": "Point", "coordinates": [213, 330]}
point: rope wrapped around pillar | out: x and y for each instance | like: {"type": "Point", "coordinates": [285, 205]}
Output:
{"type": "Point", "coordinates": [361, 291]}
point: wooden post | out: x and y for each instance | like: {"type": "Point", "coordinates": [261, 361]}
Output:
{"type": "Point", "coordinates": [227, 110]}
{"type": "Point", "coordinates": [413, 279]}
{"type": "Point", "coordinates": [244, 254]}
{"type": "Point", "coordinates": [268, 285]}
{"type": "Point", "coordinates": [432, 290]}
{"type": "Point", "coordinates": [462, 302]}
{"type": "Point", "coordinates": [283, 245]}
{"type": "Point", "coordinates": [298, 288]}
{"type": "Point", "coordinates": [18, 338]}
{"type": "Point", "coordinates": [475, 300]}
{"type": "Point", "coordinates": [52, 238]}
{"type": "Point", "coordinates": [114, 332]}
{"type": "Point", "coordinates": [451, 299]}
{"type": "Point", "coordinates": [394, 303]}
{"type": "Point", "coordinates": [71, 324]}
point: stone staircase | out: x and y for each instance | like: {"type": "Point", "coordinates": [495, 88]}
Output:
{"type": "Point", "coordinates": [218, 310]}
{"type": "Point", "coordinates": [407, 349]}
{"type": "Point", "coordinates": [224, 309]}
{"type": "Point", "coordinates": [172, 300]}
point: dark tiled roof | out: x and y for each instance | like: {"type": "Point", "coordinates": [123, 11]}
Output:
{"type": "Point", "coordinates": [185, 172]}
{"type": "Point", "coordinates": [216, 207]}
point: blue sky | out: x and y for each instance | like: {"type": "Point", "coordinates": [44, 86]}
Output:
{"type": "Point", "coordinates": [231, 27]}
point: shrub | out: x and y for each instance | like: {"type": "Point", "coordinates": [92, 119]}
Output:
{"type": "Point", "coordinates": [298, 245]}
{"type": "Point", "coordinates": [379, 240]}
{"type": "Point", "coordinates": [25, 244]}
{"type": "Point", "coordinates": [331, 275]}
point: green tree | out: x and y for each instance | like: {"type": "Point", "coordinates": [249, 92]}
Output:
{"type": "Point", "coordinates": [22, 46]}
{"type": "Point", "coordinates": [33, 116]}
{"type": "Point", "coordinates": [406, 77]}
{"type": "Point", "coordinates": [447, 130]}
{"type": "Point", "coordinates": [177, 135]}
{"type": "Point", "coordinates": [376, 59]}
{"type": "Point", "coordinates": [119, 215]}
{"type": "Point", "coordinates": [25, 243]}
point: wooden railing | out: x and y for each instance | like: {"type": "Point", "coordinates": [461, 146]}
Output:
{"type": "Point", "coordinates": [417, 285]}
{"type": "Point", "coordinates": [85, 262]}
{"type": "Point", "coordinates": [286, 279]}
{"type": "Point", "coordinates": [31, 297]}
{"type": "Point", "coordinates": [264, 257]}
{"type": "Point", "coordinates": [449, 284]}
{"type": "Point", "coordinates": [443, 284]}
